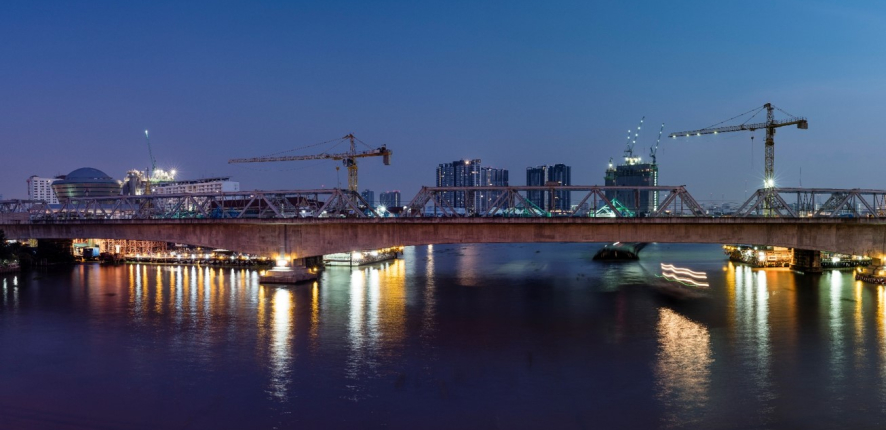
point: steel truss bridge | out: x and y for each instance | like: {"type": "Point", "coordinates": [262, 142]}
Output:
{"type": "Point", "coordinates": [675, 201]}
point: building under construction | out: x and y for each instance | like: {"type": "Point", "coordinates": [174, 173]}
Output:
{"type": "Point", "coordinates": [634, 172]}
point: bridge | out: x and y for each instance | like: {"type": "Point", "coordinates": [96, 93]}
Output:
{"type": "Point", "coordinates": [675, 201]}
{"type": "Point", "coordinates": [305, 223]}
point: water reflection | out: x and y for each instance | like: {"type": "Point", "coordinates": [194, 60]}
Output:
{"type": "Point", "coordinates": [405, 342]}
{"type": "Point", "coordinates": [356, 337]}
{"type": "Point", "coordinates": [430, 298]}
{"type": "Point", "coordinates": [376, 320]}
{"type": "Point", "coordinates": [835, 317]}
{"type": "Point", "coordinates": [881, 338]}
{"type": "Point", "coordinates": [860, 349]}
{"type": "Point", "coordinates": [752, 334]}
{"type": "Point", "coordinates": [683, 367]}
{"type": "Point", "coordinates": [282, 330]}
{"type": "Point", "coordinates": [315, 316]}
{"type": "Point", "coordinates": [158, 295]}
{"type": "Point", "coordinates": [10, 289]}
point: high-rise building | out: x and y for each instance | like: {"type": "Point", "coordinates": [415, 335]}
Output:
{"type": "Point", "coordinates": [634, 173]}
{"type": "Point", "coordinates": [558, 174]}
{"type": "Point", "coordinates": [535, 177]}
{"type": "Point", "coordinates": [41, 189]}
{"type": "Point", "coordinates": [369, 196]}
{"type": "Point", "coordinates": [461, 173]}
{"type": "Point", "coordinates": [560, 200]}
{"type": "Point", "coordinates": [389, 199]}
{"type": "Point", "coordinates": [490, 177]}
{"type": "Point", "coordinates": [469, 173]}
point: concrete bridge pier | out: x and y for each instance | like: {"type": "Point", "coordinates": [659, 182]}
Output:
{"type": "Point", "coordinates": [806, 261]}
{"type": "Point", "coordinates": [309, 262]}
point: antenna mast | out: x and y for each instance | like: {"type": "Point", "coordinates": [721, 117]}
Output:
{"type": "Point", "coordinates": [150, 173]}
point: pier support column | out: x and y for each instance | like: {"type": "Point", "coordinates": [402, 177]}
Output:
{"type": "Point", "coordinates": [309, 262]}
{"type": "Point", "coordinates": [806, 261]}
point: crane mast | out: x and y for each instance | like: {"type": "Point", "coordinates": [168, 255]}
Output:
{"type": "Point", "coordinates": [654, 150]}
{"type": "Point", "coordinates": [349, 159]}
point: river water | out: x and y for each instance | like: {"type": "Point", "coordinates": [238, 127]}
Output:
{"type": "Point", "coordinates": [457, 336]}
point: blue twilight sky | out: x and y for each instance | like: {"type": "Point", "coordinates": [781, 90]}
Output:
{"type": "Point", "coordinates": [514, 83]}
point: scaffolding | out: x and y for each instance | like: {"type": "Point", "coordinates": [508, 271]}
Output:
{"type": "Point", "coordinates": [130, 247]}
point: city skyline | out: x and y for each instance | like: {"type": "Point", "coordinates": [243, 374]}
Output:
{"type": "Point", "coordinates": [516, 86]}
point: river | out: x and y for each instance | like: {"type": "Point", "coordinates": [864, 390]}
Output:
{"type": "Point", "coordinates": [506, 336]}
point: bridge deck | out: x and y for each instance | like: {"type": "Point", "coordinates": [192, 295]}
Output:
{"type": "Point", "coordinates": [317, 236]}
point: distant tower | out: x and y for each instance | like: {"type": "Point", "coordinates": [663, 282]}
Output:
{"type": "Point", "coordinates": [558, 174]}
{"type": "Point", "coordinates": [536, 177]}
{"type": "Point", "coordinates": [369, 196]}
{"type": "Point", "coordinates": [389, 199]}
{"type": "Point", "coordinates": [490, 177]}
{"type": "Point", "coordinates": [41, 189]}
{"type": "Point", "coordinates": [634, 172]}
{"type": "Point", "coordinates": [461, 173]}
{"type": "Point", "coordinates": [562, 175]}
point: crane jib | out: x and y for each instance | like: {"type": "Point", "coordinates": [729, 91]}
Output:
{"type": "Point", "coordinates": [801, 123]}
{"type": "Point", "coordinates": [769, 154]}
{"type": "Point", "coordinates": [349, 158]}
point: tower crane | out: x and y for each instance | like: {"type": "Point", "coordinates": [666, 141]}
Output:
{"type": "Point", "coordinates": [770, 125]}
{"type": "Point", "coordinates": [349, 159]}
{"type": "Point", "coordinates": [629, 147]}
{"type": "Point", "coordinates": [654, 150]}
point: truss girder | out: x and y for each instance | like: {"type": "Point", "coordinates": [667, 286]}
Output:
{"type": "Point", "coordinates": [436, 201]}
{"type": "Point", "coordinates": [512, 201]}
{"type": "Point", "coordinates": [255, 204]}
{"type": "Point", "coordinates": [802, 202]}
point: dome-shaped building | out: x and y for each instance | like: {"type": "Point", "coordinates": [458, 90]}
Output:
{"type": "Point", "coordinates": [86, 182]}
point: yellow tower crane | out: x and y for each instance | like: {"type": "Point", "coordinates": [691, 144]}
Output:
{"type": "Point", "coordinates": [349, 159]}
{"type": "Point", "coordinates": [770, 125]}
